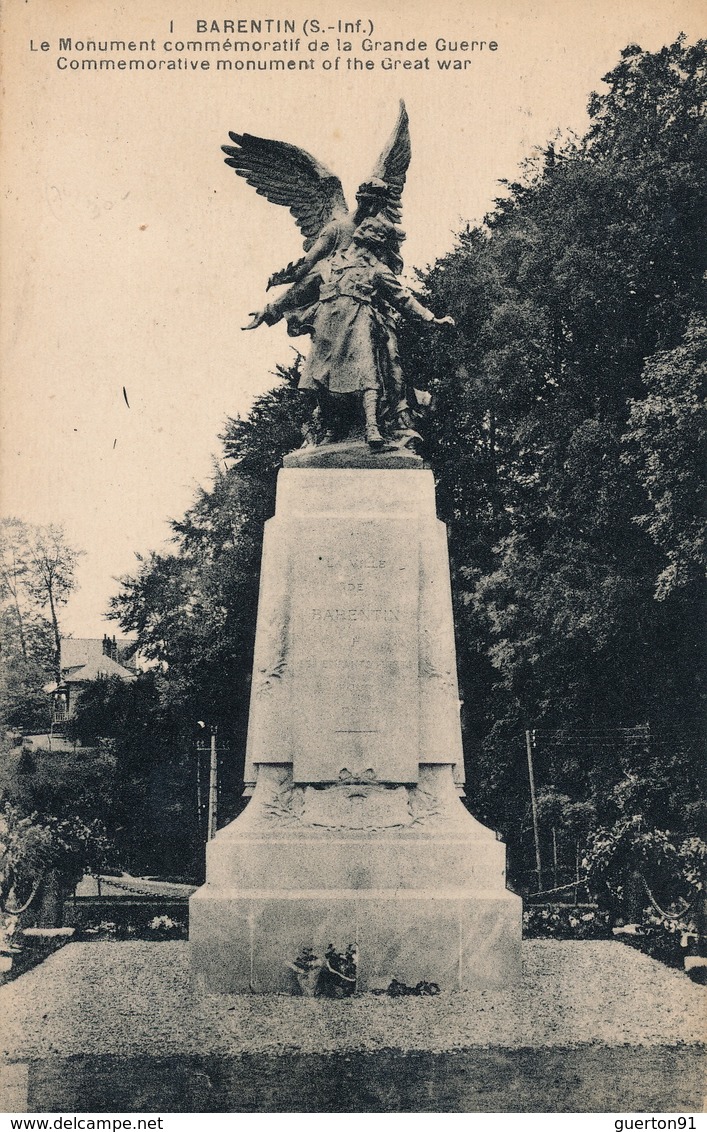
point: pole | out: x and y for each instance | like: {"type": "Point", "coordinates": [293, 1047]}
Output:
{"type": "Point", "coordinates": [213, 788]}
{"type": "Point", "coordinates": [529, 743]}
{"type": "Point", "coordinates": [199, 801]}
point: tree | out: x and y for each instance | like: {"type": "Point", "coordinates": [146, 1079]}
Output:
{"type": "Point", "coordinates": [149, 790]}
{"type": "Point", "coordinates": [44, 832]}
{"type": "Point", "coordinates": [35, 849]}
{"type": "Point", "coordinates": [25, 669]}
{"type": "Point", "coordinates": [14, 569]}
{"type": "Point", "coordinates": [51, 576]}
{"type": "Point", "coordinates": [57, 808]}
{"type": "Point", "coordinates": [666, 447]}
{"type": "Point", "coordinates": [37, 572]}
{"type": "Point", "coordinates": [26, 636]}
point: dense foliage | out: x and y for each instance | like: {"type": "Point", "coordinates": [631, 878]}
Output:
{"type": "Point", "coordinates": [35, 847]}
{"type": "Point", "coordinates": [151, 792]}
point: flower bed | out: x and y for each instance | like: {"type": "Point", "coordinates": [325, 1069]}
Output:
{"type": "Point", "coordinates": [135, 917]}
{"type": "Point", "coordinates": [565, 921]}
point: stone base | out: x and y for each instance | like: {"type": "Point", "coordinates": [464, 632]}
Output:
{"type": "Point", "coordinates": [396, 455]}
{"type": "Point", "coordinates": [596, 1078]}
{"type": "Point", "coordinates": [403, 873]}
{"type": "Point", "coordinates": [245, 941]}
{"type": "Point", "coordinates": [355, 836]}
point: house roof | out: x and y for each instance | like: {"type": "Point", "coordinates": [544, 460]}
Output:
{"type": "Point", "coordinates": [96, 668]}
{"type": "Point", "coordinates": [77, 651]}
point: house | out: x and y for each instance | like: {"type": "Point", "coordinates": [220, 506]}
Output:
{"type": "Point", "coordinates": [84, 660]}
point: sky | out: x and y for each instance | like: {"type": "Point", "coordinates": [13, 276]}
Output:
{"type": "Point", "coordinates": [132, 255]}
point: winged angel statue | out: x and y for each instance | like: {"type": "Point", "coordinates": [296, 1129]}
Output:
{"type": "Point", "coordinates": [344, 291]}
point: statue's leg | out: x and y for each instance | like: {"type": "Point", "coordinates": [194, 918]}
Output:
{"type": "Point", "coordinates": [312, 422]}
{"type": "Point", "coordinates": [370, 413]}
{"type": "Point", "coordinates": [327, 413]}
{"type": "Point", "coordinates": [400, 407]}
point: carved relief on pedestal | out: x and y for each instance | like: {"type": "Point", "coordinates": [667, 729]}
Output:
{"type": "Point", "coordinates": [352, 804]}
{"type": "Point", "coordinates": [359, 807]}
{"type": "Point", "coordinates": [274, 647]}
{"type": "Point", "coordinates": [285, 805]}
{"type": "Point", "coordinates": [429, 670]}
{"type": "Point", "coordinates": [423, 806]}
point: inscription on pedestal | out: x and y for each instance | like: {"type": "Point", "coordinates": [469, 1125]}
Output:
{"type": "Point", "coordinates": [354, 650]}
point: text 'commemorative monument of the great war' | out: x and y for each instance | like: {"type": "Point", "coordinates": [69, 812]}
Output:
{"type": "Point", "coordinates": [355, 835]}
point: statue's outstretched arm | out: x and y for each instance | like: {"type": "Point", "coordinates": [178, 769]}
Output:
{"type": "Point", "coordinates": [299, 295]}
{"type": "Point", "coordinates": [403, 300]}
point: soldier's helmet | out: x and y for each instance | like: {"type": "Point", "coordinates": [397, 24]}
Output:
{"type": "Point", "coordinates": [375, 189]}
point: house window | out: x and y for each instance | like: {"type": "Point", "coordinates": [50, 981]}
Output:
{"type": "Point", "coordinates": [60, 711]}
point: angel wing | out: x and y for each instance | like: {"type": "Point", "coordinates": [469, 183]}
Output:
{"type": "Point", "coordinates": [285, 174]}
{"type": "Point", "coordinates": [393, 164]}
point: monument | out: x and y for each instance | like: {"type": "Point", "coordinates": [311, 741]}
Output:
{"type": "Point", "coordinates": [355, 836]}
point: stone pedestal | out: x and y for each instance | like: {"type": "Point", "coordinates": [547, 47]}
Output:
{"type": "Point", "coordinates": [355, 834]}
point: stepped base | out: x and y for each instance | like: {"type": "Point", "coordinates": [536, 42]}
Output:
{"type": "Point", "coordinates": [403, 873]}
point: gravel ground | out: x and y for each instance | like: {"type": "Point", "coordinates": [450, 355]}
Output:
{"type": "Point", "coordinates": [127, 998]}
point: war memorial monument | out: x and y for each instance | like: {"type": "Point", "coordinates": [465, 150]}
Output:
{"type": "Point", "coordinates": [355, 835]}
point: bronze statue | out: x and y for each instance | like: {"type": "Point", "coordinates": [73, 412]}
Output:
{"type": "Point", "coordinates": [344, 291]}
{"type": "Point", "coordinates": [344, 304]}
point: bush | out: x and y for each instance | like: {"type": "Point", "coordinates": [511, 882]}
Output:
{"type": "Point", "coordinates": [667, 940]}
